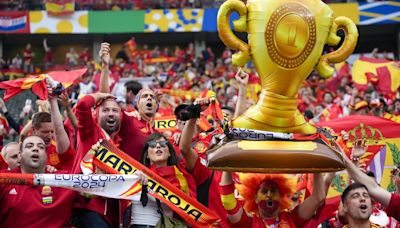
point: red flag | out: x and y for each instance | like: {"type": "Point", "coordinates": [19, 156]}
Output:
{"type": "Point", "coordinates": [37, 84]}
{"type": "Point", "coordinates": [371, 128]}
{"type": "Point", "coordinates": [305, 182]}
{"type": "Point", "coordinates": [382, 72]}
{"type": "Point", "coordinates": [60, 7]}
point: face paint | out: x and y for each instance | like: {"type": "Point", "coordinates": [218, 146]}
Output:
{"type": "Point", "coordinates": [268, 199]}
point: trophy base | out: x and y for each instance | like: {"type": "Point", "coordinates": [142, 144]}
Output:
{"type": "Point", "coordinates": [275, 157]}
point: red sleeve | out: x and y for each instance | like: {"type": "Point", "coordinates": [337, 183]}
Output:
{"type": "Point", "coordinates": [393, 209]}
{"type": "Point", "coordinates": [245, 221]}
{"type": "Point", "coordinates": [67, 158]}
{"type": "Point", "coordinates": [296, 218]}
{"type": "Point", "coordinates": [324, 212]}
{"type": "Point", "coordinates": [83, 113]}
{"type": "Point", "coordinates": [200, 173]}
{"type": "Point", "coordinates": [127, 123]}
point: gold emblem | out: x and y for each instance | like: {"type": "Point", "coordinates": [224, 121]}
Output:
{"type": "Point", "coordinates": [54, 159]}
{"type": "Point", "coordinates": [200, 147]}
{"type": "Point", "coordinates": [46, 190]}
{"type": "Point", "coordinates": [290, 35]}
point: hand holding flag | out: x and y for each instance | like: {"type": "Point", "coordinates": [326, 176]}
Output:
{"type": "Point", "coordinates": [37, 83]}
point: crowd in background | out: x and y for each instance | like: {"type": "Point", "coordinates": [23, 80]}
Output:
{"type": "Point", "coordinates": [179, 68]}
{"type": "Point", "coordinates": [130, 4]}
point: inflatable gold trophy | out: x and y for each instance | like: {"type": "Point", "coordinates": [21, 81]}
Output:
{"type": "Point", "coordinates": [286, 40]}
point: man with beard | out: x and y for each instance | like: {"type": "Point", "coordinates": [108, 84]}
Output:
{"type": "Point", "coordinates": [357, 206]}
{"type": "Point", "coordinates": [137, 125]}
{"type": "Point", "coordinates": [103, 123]}
{"type": "Point", "coordinates": [267, 198]}
{"type": "Point", "coordinates": [34, 206]}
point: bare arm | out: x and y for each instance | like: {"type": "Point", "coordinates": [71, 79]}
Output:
{"type": "Point", "coordinates": [71, 116]}
{"type": "Point", "coordinates": [25, 130]}
{"type": "Point", "coordinates": [104, 54]}
{"type": "Point", "coordinates": [45, 46]}
{"type": "Point", "coordinates": [242, 79]}
{"type": "Point", "coordinates": [378, 193]}
{"type": "Point", "coordinates": [185, 144]}
{"type": "Point", "coordinates": [310, 205]}
{"type": "Point", "coordinates": [62, 140]}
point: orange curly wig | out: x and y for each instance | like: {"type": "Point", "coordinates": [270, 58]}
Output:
{"type": "Point", "coordinates": [250, 182]}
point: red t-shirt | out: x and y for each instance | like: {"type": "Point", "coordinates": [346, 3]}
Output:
{"type": "Point", "coordinates": [62, 161]}
{"type": "Point", "coordinates": [165, 111]}
{"type": "Point", "coordinates": [4, 122]}
{"type": "Point", "coordinates": [133, 134]}
{"type": "Point", "coordinates": [27, 56]}
{"type": "Point", "coordinates": [201, 175]}
{"type": "Point", "coordinates": [393, 210]}
{"type": "Point", "coordinates": [35, 206]}
{"type": "Point", "coordinates": [285, 219]}
{"type": "Point", "coordinates": [88, 133]}
{"type": "Point", "coordinates": [324, 212]}
{"type": "Point", "coordinates": [48, 57]}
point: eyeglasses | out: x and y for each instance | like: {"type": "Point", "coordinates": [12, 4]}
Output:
{"type": "Point", "coordinates": [153, 144]}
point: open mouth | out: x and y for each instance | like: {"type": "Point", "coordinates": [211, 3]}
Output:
{"type": "Point", "coordinates": [159, 152]}
{"type": "Point", "coordinates": [270, 203]}
{"type": "Point", "coordinates": [35, 157]}
{"type": "Point", "coordinates": [149, 106]}
{"type": "Point", "coordinates": [363, 208]}
{"type": "Point", "coordinates": [111, 122]}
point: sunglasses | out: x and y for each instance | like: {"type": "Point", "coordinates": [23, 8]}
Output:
{"type": "Point", "coordinates": [153, 144]}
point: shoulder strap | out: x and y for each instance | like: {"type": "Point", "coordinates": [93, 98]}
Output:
{"type": "Point", "coordinates": [161, 212]}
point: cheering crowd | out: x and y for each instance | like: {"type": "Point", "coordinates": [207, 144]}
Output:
{"type": "Point", "coordinates": [108, 104]}
{"type": "Point", "coordinates": [126, 4]}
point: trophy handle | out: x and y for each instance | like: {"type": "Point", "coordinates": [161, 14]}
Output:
{"type": "Point", "coordinates": [240, 25]}
{"type": "Point", "coordinates": [340, 55]}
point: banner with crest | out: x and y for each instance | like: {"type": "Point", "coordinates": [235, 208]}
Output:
{"type": "Point", "coordinates": [383, 140]}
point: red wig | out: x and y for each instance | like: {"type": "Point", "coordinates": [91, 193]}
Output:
{"type": "Point", "coordinates": [250, 183]}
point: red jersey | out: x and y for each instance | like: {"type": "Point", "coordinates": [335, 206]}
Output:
{"type": "Point", "coordinates": [393, 209]}
{"type": "Point", "coordinates": [4, 123]}
{"type": "Point", "coordinates": [48, 57]}
{"type": "Point", "coordinates": [88, 133]}
{"type": "Point", "coordinates": [28, 55]}
{"type": "Point", "coordinates": [133, 134]}
{"type": "Point", "coordinates": [165, 111]}
{"type": "Point", "coordinates": [324, 212]}
{"type": "Point", "coordinates": [62, 161]}
{"type": "Point", "coordinates": [285, 219]}
{"type": "Point", "coordinates": [35, 206]}
{"type": "Point", "coordinates": [207, 182]}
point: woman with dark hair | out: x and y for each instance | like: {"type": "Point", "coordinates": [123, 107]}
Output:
{"type": "Point", "coordinates": [159, 155]}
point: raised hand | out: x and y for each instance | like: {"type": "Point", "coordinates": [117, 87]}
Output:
{"type": "Point", "coordinates": [104, 53]}
{"type": "Point", "coordinates": [242, 77]}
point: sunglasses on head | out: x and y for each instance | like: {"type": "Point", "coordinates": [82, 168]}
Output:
{"type": "Point", "coordinates": [153, 144]}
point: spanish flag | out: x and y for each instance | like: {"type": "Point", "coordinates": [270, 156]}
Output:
{"type": "Point", "coordinates": [37, 83]}
{"type": "Point", "coordinates": [382, 136]}
{"type": "Point", "coordinates": [383, 73]}
{"type": "Point", "coordinates": [60, 7]}
{"type": "Point", "coordinates": [14, 73]}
